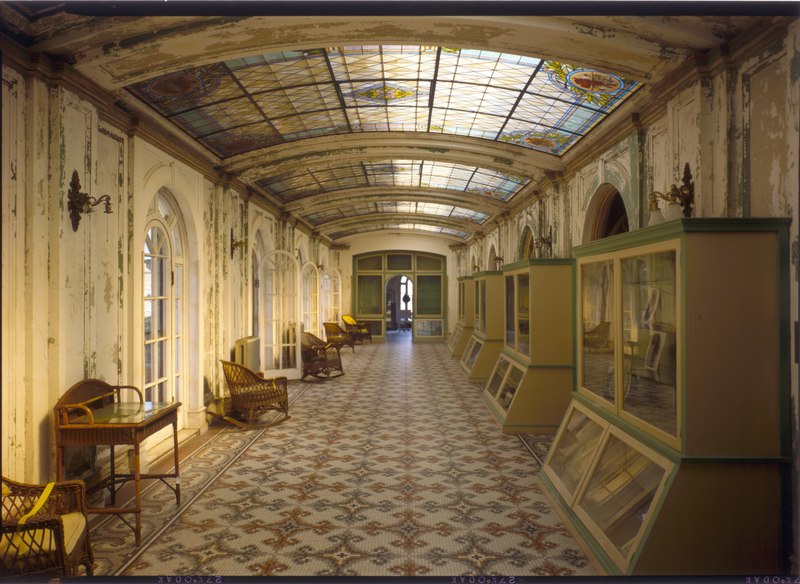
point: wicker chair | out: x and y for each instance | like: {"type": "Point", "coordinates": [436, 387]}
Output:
{"type": "Point", "coordinates": [320, 358]}
{"type": "Point", "coordinates": [357, 330]}
{"type": "Point", "coordinates": [44, 534]}
{"type": "Point", "coordinates": [252, 395]}
{"type": "Point", "coordinates": [338, 336]}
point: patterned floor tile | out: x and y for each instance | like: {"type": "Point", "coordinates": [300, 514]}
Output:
{"type": "Point", "coordinates": [394, 469]}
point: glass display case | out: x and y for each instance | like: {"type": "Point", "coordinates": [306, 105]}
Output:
{"type": "Point", "coordinates": [466, 317]}
{"type": "Point", "coordinates": [480, 352]}
{"type": "Point", "coordinates": [531, 383]}
{"type": "Point", "coordinates": [673, 455]}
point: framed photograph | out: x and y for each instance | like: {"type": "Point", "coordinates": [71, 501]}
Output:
{"type": "Point", "coordinates": [653, 298]}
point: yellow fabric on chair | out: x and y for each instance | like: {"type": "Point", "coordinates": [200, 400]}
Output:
{"type": "Point", "coordinates": [45, 529]}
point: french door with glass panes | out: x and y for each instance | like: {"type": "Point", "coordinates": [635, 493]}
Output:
{"type": "Point", "coordinates": [163, 306]}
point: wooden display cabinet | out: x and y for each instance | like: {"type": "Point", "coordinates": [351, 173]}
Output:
{"type": "Point", "coordinates": [480, 352]}
{"type": "Point", "coordinates": [466, 317]}
{"type": "Point", "coordinates": [531, 383]}
{"type": "Point", "coordinates": [674, 455]}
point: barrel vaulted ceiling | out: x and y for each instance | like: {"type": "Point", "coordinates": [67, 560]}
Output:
{"type": "Point", "coordinates": [355, 124]}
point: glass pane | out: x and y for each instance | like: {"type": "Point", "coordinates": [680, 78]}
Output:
{"type": "Point", "coordinates": [429, 263]}
{"type": "Point", "coordinates": [461, 299]}
{"type": "Point", "coordinates": [523, 325]}
{"type": "Point", "coordinates": [649, 353]}
{"type": "Point", "coordinates": [177, 356]}
{"type": "Point", "coordinates": [369, 294]}
{"type": "Point", "coordinates": [398, 262]}
{"type": "Point", "coordinates": [160, 284]}
{"type": "Point", "coordinates": [161, 352]}
{"type": "Point", "coordinates": [178, 308]}
{"type": "Point", "coordinates": [370, 263]}
{"type": "Point", "coordinates": [575, 449]}
{"type": "Point", "coordinates": [429, 295]}
{"type": "Point", "coordinates": [164, 208]}
{"type": "Point", "coordinates": [148, 277]}
{"type": "Point", "coordinates": [148, 363]}
{"type": "Point", "coordinates": [510, 312]}
{"type": "Point", "coordinates": [178, 280]}
{"type": "Point", "coordinates": [510, 387]}
{"type": "Point", "coordinates": [162, 392]}
{"type": "Point", "coordinates": [453, 340]}
{"type": "Point", "coordinates": [176, 241]}
{"type": "Point", "coordinates": [161, 317]}
{"type": "Point", "coordinates": [497, 377]}
{"type": "Point", "coordinates": [148, 320]}
{"type": "Point", "coordinates": [473, 355]}
{"type": "Point", "coordinates": [176, 383]}
{"type": "Point", "coordinates": [597, 309]}
{"type": "Point", "coordinates": [621, 492]}
{"type": "Point", "coordinates": [468, 350]}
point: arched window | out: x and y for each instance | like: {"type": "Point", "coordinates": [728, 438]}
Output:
{"type": "Point", "coordinates": [163, 295]}
{"type": "Point", "coordinates": [330, 295]}
{"type": "Point", "coordinates": [279, 294]}
{"type": "Point", "coordinates": [311, 299]}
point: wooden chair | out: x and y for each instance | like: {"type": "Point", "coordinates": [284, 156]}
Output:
{"type": "Point", "coordinates": [338, 336]}
{"type": "Point", "coordinates": [598, 338]}
{"type": "Point", "coordinates": [357, 330]}
{"type": "Point", "coordinates": [252, 395]}
{"type": "Point", "coordinates": [319, 358]}
{"type": "Point", "coordinates": [45, 531]}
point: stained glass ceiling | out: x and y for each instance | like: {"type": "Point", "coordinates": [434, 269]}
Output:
{"type": "Point", "coordinates": [242, 105]}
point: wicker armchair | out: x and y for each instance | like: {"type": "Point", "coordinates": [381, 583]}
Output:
{"type": "Point", "coordinates": [320, 358]}
{"type": "Point", "coordinates": [357, 330]}
{"type": "Point", "coordinates": [338, 336]}
{"type": "Point", "coordinates": [44, 534]}
{"type": "Point", "coordinates": [252, 395]}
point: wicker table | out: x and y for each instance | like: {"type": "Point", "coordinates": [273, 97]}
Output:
{"type": "Point", "coordinates": [117, 423]}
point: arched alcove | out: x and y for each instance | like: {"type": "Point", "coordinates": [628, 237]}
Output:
{"type": "Point", "coordinates": [527, 244]}
{"type": "Point", "coordinates": [606, 214]}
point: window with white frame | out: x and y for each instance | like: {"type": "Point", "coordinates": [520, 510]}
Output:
{"type": "Point", "coordinates": [163, 296]}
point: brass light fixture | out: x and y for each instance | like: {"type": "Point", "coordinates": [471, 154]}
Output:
{"type": "Point", "coordinates": [236, 243]}
{"type": "Point", "coordinates": [78, 202]}
{"type": "Point", "coordinates": [680, 200]}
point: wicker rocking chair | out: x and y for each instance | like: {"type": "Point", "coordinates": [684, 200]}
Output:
{"type": "Point", "coordinates": [338, 336]}
{"type": "Point", "coordinates": [252, 395]}
{"type": "Point", "coordinates": [357, 330]}
{"type": "Point", "coordinates": [320, 359]}
{"type": "Point", "coordinates": [45, 531]}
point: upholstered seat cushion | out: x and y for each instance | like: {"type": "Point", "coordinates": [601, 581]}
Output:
{"type": "Point", "coordinates": [40, 541]}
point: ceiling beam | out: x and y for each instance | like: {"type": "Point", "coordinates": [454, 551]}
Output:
{"type": "Point", "coordinates": [462, 199]}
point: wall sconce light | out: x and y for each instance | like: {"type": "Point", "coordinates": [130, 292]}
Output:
{"type": "Point", "coordinates": [476, 268]}
{"type": "Point", "coordinates": [78, 202]}
{"type": "Point", "coordinates": [236, 243]}
{"type": "Point", "coordinates": [545, 241]}
{"type": "Point", "coordinates": [680, 201]}
{"type": "Point", "coordinates": [498, 262]}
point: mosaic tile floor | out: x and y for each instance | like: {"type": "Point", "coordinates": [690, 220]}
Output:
{"type": "Point", "coordinates": [394, 469]}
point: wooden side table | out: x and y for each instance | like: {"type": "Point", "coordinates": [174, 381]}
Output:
{"type": "Point", "coordinates": [103, 419]}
